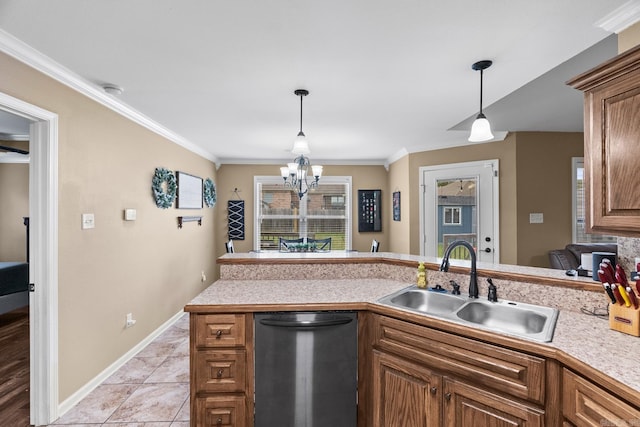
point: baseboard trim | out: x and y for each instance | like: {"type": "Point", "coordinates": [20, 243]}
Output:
{"type": "Point", "coordinates": [76, 397]}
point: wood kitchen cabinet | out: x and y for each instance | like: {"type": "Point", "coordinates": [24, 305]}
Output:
{"type": "Point", "coordinates": [586, 404]}
{"type": "Point", "coordinates": [405, 393]}
{"type": "Point", "coordinates": [221, 360]}
{"type": "Point", "coordinates": [612, 144]}
{"type": "Point", "coordinates": [426, 378]}
{"type": "Point", "coordinates": [410, 395]}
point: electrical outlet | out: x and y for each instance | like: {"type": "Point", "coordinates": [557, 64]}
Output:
{"type": "Point", "coordinates": [130, 321]}
{"type": "Point", "coordinates": [130, 215]}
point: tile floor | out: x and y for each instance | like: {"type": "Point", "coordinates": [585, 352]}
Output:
{"type": "Point", "coordinates": [150, 390]}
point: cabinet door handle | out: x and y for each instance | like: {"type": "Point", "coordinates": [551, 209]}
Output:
{"type": "Point", "coordinates": [434, 390]}
{"type": "Point", "coordinates": [219, 374]}
{"type": "Point", "coordinates": [447, 396]}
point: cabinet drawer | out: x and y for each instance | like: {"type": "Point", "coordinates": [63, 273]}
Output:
{"type": "Point", "coordinates": [505, 370]}
{"type": "Point", "coordinates": [585, 404]}
{"type": "Point", "coordinates": [220, 411]}
{"type": "Point", "coordinates": [220, 330]}
{"type": "Point", "coordinates": [220, 371]}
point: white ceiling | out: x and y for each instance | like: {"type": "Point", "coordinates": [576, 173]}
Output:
{"type": "Point", "coordinates": [385, 77]}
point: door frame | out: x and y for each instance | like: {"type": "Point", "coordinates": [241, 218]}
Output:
{"type": "Point", "coordinates": [43, 259]}
{"type": "Point", "coordinates": [495, 188]}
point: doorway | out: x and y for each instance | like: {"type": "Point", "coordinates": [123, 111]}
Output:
{"type": "Point", "coordinates": [459, 201]}
{"type": "Point", "coordinates": [43, 257]}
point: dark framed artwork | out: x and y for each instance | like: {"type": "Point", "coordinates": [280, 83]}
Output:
{"type": "Point", "coordinates": [396, 206]}
{"type": "Point", "coordinates": [369, 210]}
{"type": "Point", "coordinates": [189, 191]}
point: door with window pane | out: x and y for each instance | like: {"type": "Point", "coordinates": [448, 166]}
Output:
{"type": "Point", "coordinates": [322, 213]}
{"type": "Point", "coordinates": [460, 203]}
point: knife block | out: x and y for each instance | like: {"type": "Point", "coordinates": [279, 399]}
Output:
{"type": "Point", "coordinates": [624, 319]}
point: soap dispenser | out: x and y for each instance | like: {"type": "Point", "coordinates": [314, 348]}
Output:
{"type": "Point", "coordinates": [422, 276]}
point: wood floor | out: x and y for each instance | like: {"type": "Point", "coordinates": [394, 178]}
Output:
{"type": "Point", "coordinates": [14, 368]}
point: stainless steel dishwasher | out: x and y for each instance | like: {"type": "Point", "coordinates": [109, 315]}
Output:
{"type": "Point", "coordinates": [306, 366]}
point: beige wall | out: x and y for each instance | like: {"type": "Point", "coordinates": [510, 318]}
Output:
{"type": "Point", "coordinates": [147, 267]}
{"type": "Point", "coordinates": [241, 177]}
{"type": "Point", "coordinates": [505, 152]}
{"type": "Point", "coordinates": [399, 231]}
{"type": "Point", "coordinates": [629, 38]}
{"type": "Point", "coordinates": [544, 186]}
{"type": "Point", "coordinates": [14, 205]}
{"type": "Point", "coordinates": [531, 164]}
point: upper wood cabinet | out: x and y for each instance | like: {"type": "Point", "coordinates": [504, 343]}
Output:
{"type": "Point", "coordinates": [612, 144]}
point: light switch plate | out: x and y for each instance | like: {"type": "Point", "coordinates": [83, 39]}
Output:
{"type": "Point", "coordinates": [536, 218]}
{"type": "Point", "coordinates": [88, 221]}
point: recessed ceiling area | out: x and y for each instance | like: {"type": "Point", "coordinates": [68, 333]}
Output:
{"type": "Point", "coordinates": [385, 78]}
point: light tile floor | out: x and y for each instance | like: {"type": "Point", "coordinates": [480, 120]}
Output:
{"type": "Point", "coordinates": [150, 390]}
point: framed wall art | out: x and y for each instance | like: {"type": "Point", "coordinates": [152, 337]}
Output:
{"type": "Point", "coordinates": [369, 210]}
{"type": "Point", "coordinates": [396, 206]}
{"type": "Point", "coordinates": [189, 191]}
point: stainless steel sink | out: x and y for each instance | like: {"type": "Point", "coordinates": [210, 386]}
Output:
{"type": "Point", "coordinates": [516, 318]}
{"type": "Point", "coordinates": [524, 320]}
{"type": "Point", "coordinates": [427, 302]}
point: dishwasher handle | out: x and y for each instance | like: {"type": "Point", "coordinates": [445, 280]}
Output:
{"type": "Point", "coordinates": [305, 323]}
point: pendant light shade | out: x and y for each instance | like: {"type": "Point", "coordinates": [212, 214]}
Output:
{"type": "Point", "coordinates": [296, 174]}
{"type": "Point", "coordinates": [481, 128]}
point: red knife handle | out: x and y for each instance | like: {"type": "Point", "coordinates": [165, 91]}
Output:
{"type": "Point", "coordinates": [616, 293]}
{"type": "Point", "coordinates": [632, 297]}
{"type": "Point", "coordinates": [608, 278]}
{"type": "Point", "coordinates": [607, 262]}
{"type": "Point", "coordinates": [621, 276]}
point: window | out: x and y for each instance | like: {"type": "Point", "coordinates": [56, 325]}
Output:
{"type": "Point", "coordinates": [323, 212]}
{"type": "Point", "coordinates": [452, 215]}
{"type": "Point", "coordinates": [579, 233]}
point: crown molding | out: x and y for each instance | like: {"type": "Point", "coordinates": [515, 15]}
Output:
{"type": "Point", "coordinates": [42, 63]}
{"type": "Point", "coordinates": [621, 18]}
{"type": "Point", "coordinates": [397, 156]}
{"type": "Point", "coordinates": [283, 162]}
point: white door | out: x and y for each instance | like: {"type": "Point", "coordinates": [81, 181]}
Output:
{"type": "Point", "coordinates": [460, 202]}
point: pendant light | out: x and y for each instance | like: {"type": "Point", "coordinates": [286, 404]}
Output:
{"type": "Point", "coordinates": [481, 128]}
{"type": "Point", "coordinates": [296, 173]}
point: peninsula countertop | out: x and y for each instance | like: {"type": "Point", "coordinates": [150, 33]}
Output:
{"type": "Point", "coordinates": [584, 338]}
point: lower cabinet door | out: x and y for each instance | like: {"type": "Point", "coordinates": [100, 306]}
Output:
{"type": "Point", "coordinates": [465, 405]}
{"type": "Point", "coordinates": [585, 404]}
{"type": "Point", "coordinates": [220, 411]}
{"type": "Point", "coordinates": [404, 393]}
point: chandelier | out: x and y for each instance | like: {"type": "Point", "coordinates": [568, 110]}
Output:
{"type": "Point", "coordinates": [296, 174]}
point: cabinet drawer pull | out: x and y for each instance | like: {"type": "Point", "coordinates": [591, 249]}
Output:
{"type": "Point", "coordinates": [219, 333]}
{"type": "Point", "coordinates": [434, 390]}
{"type": "Point", "coordinates": [219, 421]}
{"type": "Point", "coordinates": [219, 374]}
{"type": "Point", "coordinates": [447, 396]}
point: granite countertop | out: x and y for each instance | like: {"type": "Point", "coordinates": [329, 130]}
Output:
{"type": "Point", "coordinates": [342, 256]}
{"type": "Point", "coordinates": [586, 338]}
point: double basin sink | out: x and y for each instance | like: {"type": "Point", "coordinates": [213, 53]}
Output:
{"type": "Point", "coordinates": [512, 318]}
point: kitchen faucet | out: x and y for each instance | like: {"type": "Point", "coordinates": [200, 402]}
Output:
{"type": "Point", "coordinates": [473, 276]}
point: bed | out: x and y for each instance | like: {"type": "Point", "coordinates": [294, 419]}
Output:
{"type": "Point", "coordinates": [14, 285]}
